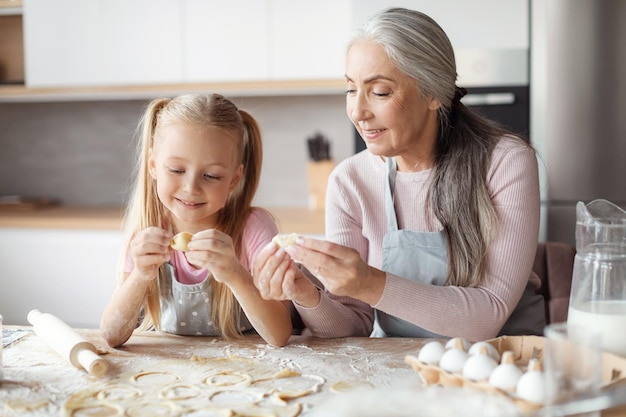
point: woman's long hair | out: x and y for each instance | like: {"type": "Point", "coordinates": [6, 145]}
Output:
{"type": "Point", "coordinates": [145, 209]}
{"type": "Point", "coordinates": [458, 195]}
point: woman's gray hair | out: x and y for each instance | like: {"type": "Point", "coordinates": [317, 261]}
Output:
{"type": "Point", "coordinates": [419, 47]}
{"type": "Point", "coordinates": [459, 194]}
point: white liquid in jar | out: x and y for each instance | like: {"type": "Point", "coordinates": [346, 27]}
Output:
{"type": "Point", "coordinates": [606, 317]}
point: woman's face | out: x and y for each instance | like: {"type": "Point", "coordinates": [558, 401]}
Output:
{"type": "Point", "coordinates": [195, 168]}
{"type": "Point", "coordinates": [386, 107]}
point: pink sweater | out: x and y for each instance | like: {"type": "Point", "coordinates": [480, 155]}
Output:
{"type": "Point", "coordinates": [355, 217]}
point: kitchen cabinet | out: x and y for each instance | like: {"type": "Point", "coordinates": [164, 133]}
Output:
{"type": "Point", "coordinates": [308, 39]}
{"type": "Point", "coordinates": [115, 43]}
{"type": "Point", "coordinates": [101, 42]}
{"type": "Point", "coordinates": [225, 41]}
{"type": "Point", "coordinates": [490, 37]}
{"type": "Point", "coordinates": [70, 273]}
{"type": "Point", "coordinates": [473, 24]}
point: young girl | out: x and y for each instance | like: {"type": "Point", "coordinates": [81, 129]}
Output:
{"type": "Point", "coordinates": [198, 169]}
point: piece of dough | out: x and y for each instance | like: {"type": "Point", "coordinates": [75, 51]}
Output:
{"type": "Point", "coordinates": [284, 240]}
{"type": "Point", "coordinates": [30, 404]}
{"type": "Point", "coordinates": [347, 386]}
{"type": "Point", "coordinates": [180, 241]}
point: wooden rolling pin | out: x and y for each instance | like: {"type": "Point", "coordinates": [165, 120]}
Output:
{"type": "Point", "coordinates": [67, 343]}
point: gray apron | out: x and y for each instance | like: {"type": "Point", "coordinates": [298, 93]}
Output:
{"type": "Point", "coordinates": [423, 257]}
{"type": "Point", "coordinates": [185, 309]}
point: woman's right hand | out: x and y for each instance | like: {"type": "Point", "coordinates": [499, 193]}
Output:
{"type": "Point", "coordinates": [149, 249]}
{"type": "Point", "coordinates": [340, 269]}
{"type": "Point", "coordinates": [277, 277]}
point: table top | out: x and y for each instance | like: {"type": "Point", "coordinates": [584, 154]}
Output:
{"type": "Point", "coordinates": [39, 382]}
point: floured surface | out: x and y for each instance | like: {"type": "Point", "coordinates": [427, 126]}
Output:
{"type": "Point", "coordinates": [165, 375]}
{"type": "Point", "coordinates": [200, 386]}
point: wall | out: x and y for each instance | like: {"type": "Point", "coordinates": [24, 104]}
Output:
{"type": "Point", "coordinates": [82, 152]}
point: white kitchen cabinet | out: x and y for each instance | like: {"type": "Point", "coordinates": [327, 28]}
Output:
{"type": "Point", "coordinates": [75, 43]}
{"type": "Point", "coordinates": [225, 41]}
{"type": "Point", "coordinates": [308, 39]}
{"type": "Point", "coordinates": [101, 42]}
{"type": "Point", "coordinates": [474, 24]}
{"type": "Point", "coordinates": [490, 37]}
{"type": "Point", "coordinates": [69, 273]}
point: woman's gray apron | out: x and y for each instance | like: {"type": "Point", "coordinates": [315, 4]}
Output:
{"type": "Point", "coordinates": [423, 257]}
{"type": "Point", "coordinates": [185, 309]}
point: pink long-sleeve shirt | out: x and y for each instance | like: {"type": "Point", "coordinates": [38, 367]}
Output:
{"type": "Point", "coordinates": [355, 217]}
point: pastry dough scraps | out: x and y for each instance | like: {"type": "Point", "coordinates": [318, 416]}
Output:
{"type": "Point", "coordinates": [220, 386]}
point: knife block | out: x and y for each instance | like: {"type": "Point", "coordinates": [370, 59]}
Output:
{"type": "Point", "coordinates": [317, 174]}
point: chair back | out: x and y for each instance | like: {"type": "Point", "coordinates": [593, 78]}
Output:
{"type": "Point", "coordinates": [554, 264]}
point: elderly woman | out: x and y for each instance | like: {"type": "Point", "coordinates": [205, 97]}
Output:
{"type": "Point", "coordinates": [433, 229]}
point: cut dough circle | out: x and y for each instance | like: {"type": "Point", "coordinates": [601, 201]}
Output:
{"type": "Point", "coordinates": [284, 240]}
{"type": "Point", "coordinates": [180, 241]}
{"type": "Point", "coordinates": [223, 386]}
{"type": "Point", "coordinates": [227, 378]}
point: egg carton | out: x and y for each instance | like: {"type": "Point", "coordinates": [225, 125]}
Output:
{"type": "Point", "coordinates": [524, 349]}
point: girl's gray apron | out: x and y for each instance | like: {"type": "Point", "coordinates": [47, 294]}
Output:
{"type": "Point", "coordinates": [423, 257]}
{"type": "Point", "coordinates": [185, 309]}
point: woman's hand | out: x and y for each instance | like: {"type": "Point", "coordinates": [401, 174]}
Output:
{"type": "Point", "coordinates": [277, 277]}
{"type": "Point", "coordinates": [340, 269]}
{"type": "Point", "coordinates": [149, 249]}
{"type": "Point", "coordinates": [214, 250]}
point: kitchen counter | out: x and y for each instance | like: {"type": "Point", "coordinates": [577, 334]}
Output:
{"type": "Point", "coordinates": [355, 376]}
{"type": "Point", "coordinates": [290, 220]}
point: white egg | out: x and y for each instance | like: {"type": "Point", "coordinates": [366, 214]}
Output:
{"type": "Point", "coordinates": [491, 350]}
{"type": "Point", "coordinates": [431, 353]}
{"type": "Point", "coordinates": [453, 360]}
{"type": "Point", "coordinates": [530, 386]}
{"type": "Point", "coordinates": [459, 343]}
{"type": "Point", "coordinates": [479, 366]}
{"type": "Point", "coordinates": [506, 375]}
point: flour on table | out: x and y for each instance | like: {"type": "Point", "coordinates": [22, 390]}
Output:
{"type": "Point", "coordinates": [230, 386]}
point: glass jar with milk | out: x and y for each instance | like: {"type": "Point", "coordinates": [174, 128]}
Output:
{"type": "Point", "coordinates": [598, 296]}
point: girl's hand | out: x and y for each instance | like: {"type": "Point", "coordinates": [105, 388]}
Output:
{"type": "Point", "coordinates": [277, 277]}
{"type": "Point", "coordinates": [214, 250]}
{"type": "Point", "coordinates": [340, 269]}
{"type": "Point", "coordinates": [149, 249]}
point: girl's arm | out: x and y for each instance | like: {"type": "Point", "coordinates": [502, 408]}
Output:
{"type": "Point", "coordinates": [270, 318]}
{"type": "Point", "coordinates": [149, 249]}
{"type": "Point", "coordinates": [121, 314]}
{"type": "Point", "coordinates": [213, 250]}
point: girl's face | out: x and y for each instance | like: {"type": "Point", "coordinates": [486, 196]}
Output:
{"type": "Point", "coordinates": [387, 109]}
{"type": "Point", "coordinates": [195, 168]}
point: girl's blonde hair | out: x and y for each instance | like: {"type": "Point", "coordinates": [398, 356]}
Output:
{"type": "Point", "coordinates": [145, 209]}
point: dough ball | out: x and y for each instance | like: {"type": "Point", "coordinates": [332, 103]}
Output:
{"type": "Point", "coordinates": [284, 240]}
{"type": "Point", "coordinates": [180, 241]}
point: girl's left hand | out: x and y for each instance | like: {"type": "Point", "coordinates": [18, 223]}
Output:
{"type": "Point", "coordinates": [214, 250]}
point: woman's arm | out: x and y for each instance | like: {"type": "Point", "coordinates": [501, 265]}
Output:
{"type": "Point", "coordinates": [479, 313]}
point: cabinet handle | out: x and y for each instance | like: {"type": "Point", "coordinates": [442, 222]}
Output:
{"type": "Point", "coordinates": [489, 99]}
